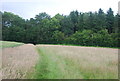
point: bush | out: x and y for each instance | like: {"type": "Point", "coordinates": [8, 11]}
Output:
{"type": "Point", "coordinates": [58, 37]}
{"type": "Point", "coordinates": [80, 38]}
{"type": "Point", "coordinates": [89, 38]}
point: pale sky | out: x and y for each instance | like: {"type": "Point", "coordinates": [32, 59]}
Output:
{"type": "Point", "coordinates": [29, 8]}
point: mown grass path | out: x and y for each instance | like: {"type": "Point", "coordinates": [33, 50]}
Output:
{"type": "Point", "coordinates": [53, 66]}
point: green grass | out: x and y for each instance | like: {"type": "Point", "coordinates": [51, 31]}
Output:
{"type": "Point", "coordinates": [84, 46]}
{"type": "Point", "coordinates": [52, 66]}
{"type": "Point", "coordinates": [57, 62]}
{"type": "Point", "coordinates": [7, 44]}
{"type": "Point", "coordinates": [72, 62]}
{"type": "Point", "coordinates": [47, 67]}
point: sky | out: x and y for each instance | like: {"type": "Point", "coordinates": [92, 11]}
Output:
{"type": "Point", "coordinates": [29, 8]}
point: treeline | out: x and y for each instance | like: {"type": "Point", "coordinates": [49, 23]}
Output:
{"type": "Point", "coordinates": [89, 28]}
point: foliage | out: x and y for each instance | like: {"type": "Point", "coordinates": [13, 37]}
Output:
{"type": "Point", "coordinates": [58, 37]}
{"type": "Point", "coordinates": [89, 28]}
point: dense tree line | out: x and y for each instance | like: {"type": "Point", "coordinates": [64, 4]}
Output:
{"type": "Point", "coordinates": [89, 28]}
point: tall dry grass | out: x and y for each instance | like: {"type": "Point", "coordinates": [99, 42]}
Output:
{"type": "Point", "coordinates": [82, 62]}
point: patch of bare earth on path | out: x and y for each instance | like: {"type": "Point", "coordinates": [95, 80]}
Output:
{"type": "Point", "coordinates": [17, 62]}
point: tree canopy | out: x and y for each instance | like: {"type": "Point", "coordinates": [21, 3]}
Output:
{"type": "Point", "coordinates": [89, 28]}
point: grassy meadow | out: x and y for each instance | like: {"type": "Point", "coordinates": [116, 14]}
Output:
{"type": "Point", "coordinates": [7, 44]}
{"type": "Point", "coordinates": [74, 62]}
